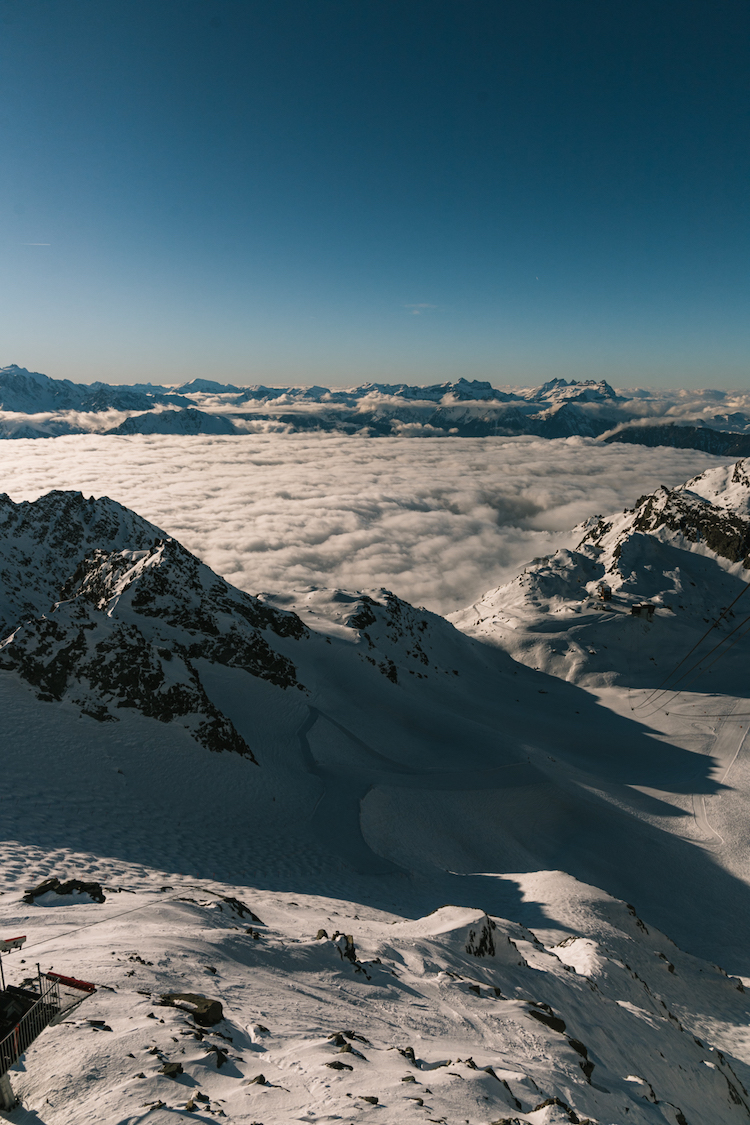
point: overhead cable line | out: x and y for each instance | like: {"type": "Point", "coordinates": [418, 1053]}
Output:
{"type": "Point", "coordinates": [697, 644]}
{"type": "Point", "coordinates": [702, 659]}
{"type": "Point", "coordinates": [114, 917]}
{"type": "Point", "coordinates": [702, 670]}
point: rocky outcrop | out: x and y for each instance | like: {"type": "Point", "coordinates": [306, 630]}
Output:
{"type": "Point", "coordinates": [70, 887]}
{"type": "Point", "coordinates": [111, 629]}
{"type": "Point", "coordinates": [43, 541]}
{"type": "Point", "coordinates": [204, 1010]}
{"type": "Point", "coordinates": [692, 517]}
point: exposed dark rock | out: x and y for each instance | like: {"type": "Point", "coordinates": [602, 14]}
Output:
{"type": "Point", "coordinates": [346, 947]}
{"type": "Point", "coordinates": [719, 442]}
{"type": "Point", "coordinates": [204, 1011]}
{"type": "Point", "coordinates": [572, 1115]}
{"type": "Point", "coordinates": [222, 1055]}
{"type": "Point", "coordinates": [241, 909]}
{"type": "Point", "coordinates": [171, 1069]}
{"type": "Point", "coordinates": [99, 609]}
{"type": "Point", "coordinates": [544, 1014]}
{"type": "Point", "coordinates": [69, 887]}
{"type": "Point", "coordinates": [480, 942]}
{"type": "Point", "coordinates": [722, 531]}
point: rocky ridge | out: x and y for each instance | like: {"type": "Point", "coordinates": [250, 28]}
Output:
{"type": "Point", "coordinates": [684, 551]}
{"type": "Point", "coordinates": [103, 611]}
{"type": "Point", "coordinates": [107, 629]}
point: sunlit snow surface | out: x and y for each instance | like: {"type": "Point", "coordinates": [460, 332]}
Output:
{"type": "Point", "coordinates": [373, 809]}
{"type": "Point", "coordinates": [439, 521]}
{"type": "Point", "coordinates": [454, 1017]}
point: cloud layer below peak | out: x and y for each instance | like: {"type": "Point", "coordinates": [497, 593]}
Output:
{"type": "Point", "coordinates": [439, 521]}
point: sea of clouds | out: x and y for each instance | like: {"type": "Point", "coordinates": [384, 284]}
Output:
{"type": "Point", "coordinates": [439, 521]}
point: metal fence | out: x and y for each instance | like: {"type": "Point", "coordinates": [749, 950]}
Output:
{"type": "Point", "coordinates": [32, 1023]}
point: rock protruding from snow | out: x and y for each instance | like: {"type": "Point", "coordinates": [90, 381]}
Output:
{"type": "Point", "coordinates": [203, 1009]}
{"type": "Point", "coordinates": [90, 891]}
{"type": "Point", "coordinates": [684, 553]}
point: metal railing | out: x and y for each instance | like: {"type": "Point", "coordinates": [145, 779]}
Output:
{"type": "Point", "coordinates": [32, 1023]}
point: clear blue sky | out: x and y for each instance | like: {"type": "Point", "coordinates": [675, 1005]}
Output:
{"type": "Point", "coordinates": [342, 190]}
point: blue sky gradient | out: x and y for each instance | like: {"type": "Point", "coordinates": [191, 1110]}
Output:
{"type": "Point", "coordinates": [337, 191]}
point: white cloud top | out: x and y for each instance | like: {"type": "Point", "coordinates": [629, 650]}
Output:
{"type": "Point", "coordinates": [439, 521]}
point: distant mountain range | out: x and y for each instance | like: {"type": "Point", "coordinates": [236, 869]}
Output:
{"type": "Point", "coordinates": [33, 405]}
{"type": "Point", "coordinates": [722, 443]}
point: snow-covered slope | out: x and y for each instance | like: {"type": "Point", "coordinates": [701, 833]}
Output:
{"type": "Point", "coordinates": [685, 551]}
{"type": "Point", "coordinates": [378, 763]}
{"type": "Point", "coordinates": [385, 741]}
{"type": "Point", "coordinates": [334, 1011]}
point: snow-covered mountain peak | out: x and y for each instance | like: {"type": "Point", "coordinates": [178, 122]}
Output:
{"type": "Point", "coordinates": [30, 392]}
{"type": "Point", "coordinates": [43, 541]}
{"type": "Point", "coordinates": [683, 552]}
{"type": "Point", "coordinates": [705, 519]}
{"type": "Point", "coordinates": [105, 629]}
{"type": "Point", "coordinates": [726, 486]}
{"type": "Point", "coordinates": [558, 391]}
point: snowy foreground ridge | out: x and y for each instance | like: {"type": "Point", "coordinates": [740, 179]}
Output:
{"type": "Point", "coordinates": [33, 405]}
{"type": "Point", "coordinates": [280, 796]}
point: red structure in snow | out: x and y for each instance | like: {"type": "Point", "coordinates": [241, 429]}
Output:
{"type": "Point", "coordinates": [25, 1011]}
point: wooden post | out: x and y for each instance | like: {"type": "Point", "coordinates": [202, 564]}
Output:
{"type": "Point", "coordinates": [8, 1099]}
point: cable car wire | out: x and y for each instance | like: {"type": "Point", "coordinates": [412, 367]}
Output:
{"type": "Point", "coordinates": [700, 661]}
{"type": "Point", "coordinates": [702, 670]}
{"type": "Point", "coordinates": [697, 644]}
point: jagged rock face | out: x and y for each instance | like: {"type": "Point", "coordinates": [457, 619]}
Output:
{"type": "Point", "coordinates": [683, 551]}
{"type": "Point", "coordinates": [692, 517]}
{"type": "Point", "coordinates": [124, 628]}
{"type": "Point", "coordinates": [42, 542]}
{"type": "Point", "coordinates": [616, 547]}
{"type": "Point", "coordinates": [400, 639]}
